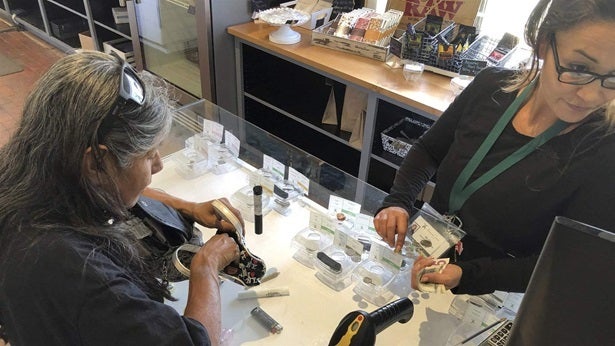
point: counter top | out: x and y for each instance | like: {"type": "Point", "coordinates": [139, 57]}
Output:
{"type": "Point", "coordinates": [431, 93]}
{"type": "Point", "coordinates": [311, 312]}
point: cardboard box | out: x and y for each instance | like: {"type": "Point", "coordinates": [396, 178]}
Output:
{"type": "Point", "coordinates": [65, 28]}
{"type": "Point", "coordinates": [320, 38]}
{"type": "Point", "coordinates": [87, 42]}
{"type": "Point", "coordinates": [458, 11]}
{"type": "Point", "coordinates": [120, 15]}
{"type": "Point", "coordinates": [318, 17]}
{"type": "Point", "coordinates": [122, 47]}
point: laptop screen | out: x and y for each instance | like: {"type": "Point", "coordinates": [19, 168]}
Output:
{"type": "Point", "coordinates": [570, 299]}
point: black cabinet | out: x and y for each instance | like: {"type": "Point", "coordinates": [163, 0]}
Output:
{"type": "Point", "coordinates": [27, 10]}
{"type": "Point", "coordinates": [288, 99]}
{"type": "Point", "coordinates": [60, 21]}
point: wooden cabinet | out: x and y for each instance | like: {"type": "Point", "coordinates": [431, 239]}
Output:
{"type": "Point", "coordinates": [285, 88]}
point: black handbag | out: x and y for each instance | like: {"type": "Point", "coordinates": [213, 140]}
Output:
{"type": "Point", "coordinates": [168, 241]}
{"type": "Point", "coordinates": [160, 230]}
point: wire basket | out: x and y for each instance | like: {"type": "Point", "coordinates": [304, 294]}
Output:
{"type": "Point", "coordinates": [479, 50]}
{"type": "Point", "coordinates": [428, 54]}
{"type": "Point", "coordinates": [428, 50]}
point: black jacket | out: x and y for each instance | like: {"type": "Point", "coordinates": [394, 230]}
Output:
{"type": "Point", "coordinates": [60, 288]}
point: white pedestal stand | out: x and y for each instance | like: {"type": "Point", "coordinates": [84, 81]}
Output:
{"type": "Point", "coordinates": [285, 35]}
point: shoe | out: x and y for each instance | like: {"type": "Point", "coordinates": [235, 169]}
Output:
{"type": "Point", "coordinates": [182, 256]}
{"type": "Point", "coordinates": [247, 272]}
{"type": "Point", "coordinates": [251, 268]}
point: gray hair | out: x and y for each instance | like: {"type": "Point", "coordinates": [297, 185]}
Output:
{"type": "Point", "coordinates": [43, 184]}
{"type": "Point", "coordinates": [41, 171]}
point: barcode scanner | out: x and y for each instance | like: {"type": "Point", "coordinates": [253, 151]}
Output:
{"type": "Point", "coordinates": [360, 328]}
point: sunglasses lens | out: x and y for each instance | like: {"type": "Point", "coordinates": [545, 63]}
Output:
{"type": "Point", "coordinates": [131, 87]}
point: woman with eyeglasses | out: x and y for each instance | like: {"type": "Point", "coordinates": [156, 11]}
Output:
{"type": "Point", "coordinates": [84, 152]}
{"type": "Point", "coordinates": [517, 148]}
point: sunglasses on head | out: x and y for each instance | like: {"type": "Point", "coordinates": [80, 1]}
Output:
{"type": "Point", "coordinates": [131, 93]}
{"type": "Point", "coordinates": [131, 88]}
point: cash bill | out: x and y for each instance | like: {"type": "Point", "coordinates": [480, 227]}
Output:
{"type": "Point", "coordinates": [431, 287]}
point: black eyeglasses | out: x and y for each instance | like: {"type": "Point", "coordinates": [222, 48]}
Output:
{"type": "Point", "coordinates": [570, 76]}
{"type": "Point", "coordinates": [131, 92]}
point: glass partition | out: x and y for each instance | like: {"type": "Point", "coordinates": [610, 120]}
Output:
{"type": "Point", "coordinates": [325, 179]}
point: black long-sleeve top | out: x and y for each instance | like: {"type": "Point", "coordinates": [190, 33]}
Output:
{"type": "Point", "coordinates": [508, 219]}
{"type": "Point", "coordinates": [61, 288]}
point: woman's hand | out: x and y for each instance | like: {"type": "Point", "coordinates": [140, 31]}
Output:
{"type": "Point", "coordinates": [204, 301]}
{"type": "Point", "coordinates": [392, 221]}
{"type": "Point", "coordinates": [450, 276]}
{"type": "Point", "coordinates": [217, 253]}
{"type": "Point", "coordinates": [204, 214]}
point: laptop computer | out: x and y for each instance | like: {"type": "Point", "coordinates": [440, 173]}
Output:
{"type": "Point", "coordinates": [570, 299]}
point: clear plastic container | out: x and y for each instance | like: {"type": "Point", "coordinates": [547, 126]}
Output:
{"type": "Point", "coordinates": [284, 193]}
{"type": "Point", "coordinates": [307, 243]}
{"type": "Point", "coordinates": [221, 160]}
{"type": "Point", "coordinates": [371, 281]}
{"type": "Point", "coordinates": [243, 199]}
{"type": "Point", "coordinates": [433, 234]}
{"type": "Point", "coordinates": [401, 285]}
{"type": "Point", "coordinates": [190, 163]}
{"type": "Point", "coordinates": [334, 266]}
{"type": "Point", "coordinates": [413, 70]}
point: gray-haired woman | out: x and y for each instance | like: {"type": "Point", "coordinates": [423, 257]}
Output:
{"type": "Point", "coordinates": [85, 150]}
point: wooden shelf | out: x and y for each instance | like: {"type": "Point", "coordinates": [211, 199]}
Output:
{"type": "Point", "coordinates": [431, 94]}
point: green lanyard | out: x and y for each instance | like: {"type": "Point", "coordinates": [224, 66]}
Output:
{"type": "Point", "coordinates": [460, 192]}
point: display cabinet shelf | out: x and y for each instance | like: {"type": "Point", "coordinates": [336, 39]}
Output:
{"type": "Point", "coordinates": [76, 7]}
{"type": "Point", "coordinates": [59, 22]}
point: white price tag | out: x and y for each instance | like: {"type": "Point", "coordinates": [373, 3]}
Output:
{"type": "Point", "coordinates": [276, 168]}
{"type": "Point", "coordinates": [299, 180]}
{"type": "Point", "coordinates": [364, 224]}
{"type": "Point", "coordinates": [321, 222]}
{"type": "Point", "coordinates": [213, 130]}
{"type": "Point", "coordinates": [385, 256]}
{"type": "Point", "coordinates": [340, 205]}
{"type": "Point", "coordinates": [232, 143]}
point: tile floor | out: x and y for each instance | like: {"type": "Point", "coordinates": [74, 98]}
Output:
{"type": "Point", "coordinates": [35, 56]}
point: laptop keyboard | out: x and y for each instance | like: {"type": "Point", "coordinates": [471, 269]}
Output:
{"type": "Point", "coordinates": [499, 336]}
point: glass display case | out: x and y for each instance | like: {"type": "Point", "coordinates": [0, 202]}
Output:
{"type": "Point", "coordinates": [313, 231]}
{"type": "Point", "coordinates": [185, 42]}
{"type": "Point", "coordinates": [168, 31]}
